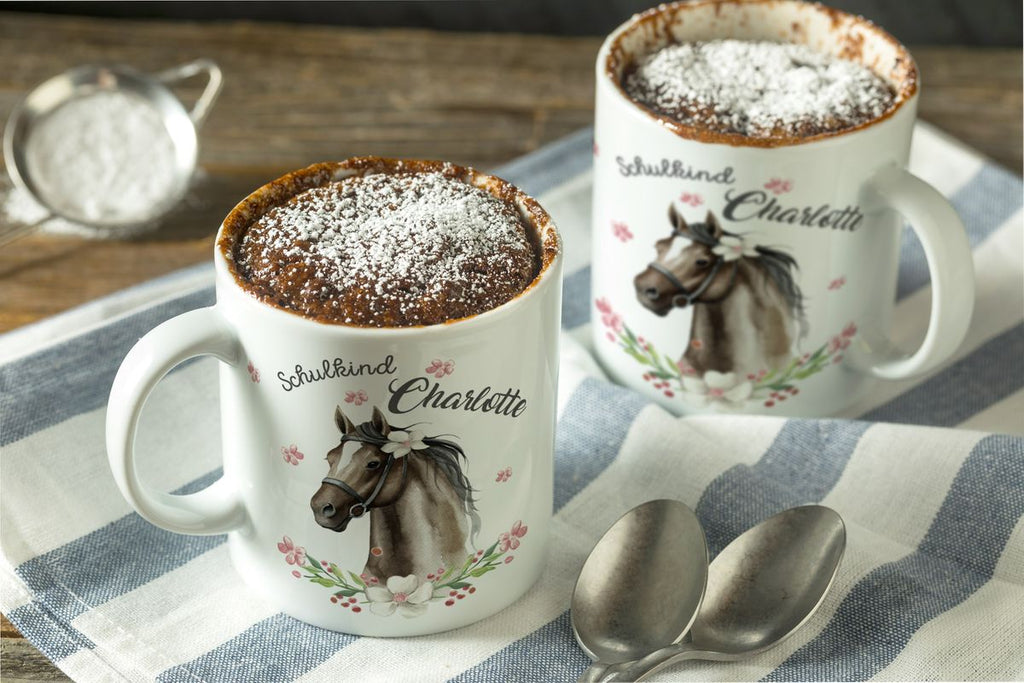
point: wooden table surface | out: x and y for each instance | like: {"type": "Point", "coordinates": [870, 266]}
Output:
{"type": "Point", "coordinates": [295, 95]}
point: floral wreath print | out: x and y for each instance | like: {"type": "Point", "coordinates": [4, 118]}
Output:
{"type": "Point", "coordinates": [675, 378]}
{"type": "Point", "coordinates": [408, 596]}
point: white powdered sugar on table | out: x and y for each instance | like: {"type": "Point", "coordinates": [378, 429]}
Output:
{"type": "Point", "coordinates": [103, 157]}
{"type": "Point", "coordinates": [390, 249]}
{"type": "Point", "coordinates": [758, 89]}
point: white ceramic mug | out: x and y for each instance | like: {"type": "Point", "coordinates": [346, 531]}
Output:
{"type": "Point", "coordinates": [387, 482]}
{"type": "Point", "coordinates": [734, 273]}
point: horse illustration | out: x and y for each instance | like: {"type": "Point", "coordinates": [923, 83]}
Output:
{"type": "Point", "coordinates": [420, 503]}
{"type": "Point", "coordinates": [747, 307]}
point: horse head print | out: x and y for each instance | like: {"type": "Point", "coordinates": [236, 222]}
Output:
{"type": "Point", "coordinates": [747, 307]}
{"type": "Point", "coordinates": [412, 487]}
{"type": "Point", "coordinates": [686, 269]}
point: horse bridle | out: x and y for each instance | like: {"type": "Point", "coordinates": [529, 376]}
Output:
{"type": "Point", "coordinates": [359, 508]}
{"type": "Point", "coordinates": [685, 297]}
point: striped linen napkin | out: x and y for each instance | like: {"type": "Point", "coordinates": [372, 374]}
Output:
{"type": "Point", "coordinates": [928, 475]}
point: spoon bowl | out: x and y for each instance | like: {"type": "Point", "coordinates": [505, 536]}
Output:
{"type": "Point", "coordinates": [769, 581]}
{"type": "Point", "coordinates": [642, 584]}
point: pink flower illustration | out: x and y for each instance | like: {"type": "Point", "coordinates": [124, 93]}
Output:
{"type": "Point", "coordinates": [504, 475]}
{"type": "Point", "coordinates": [356, 397]}
{"type": "Point", "coordinates": [292, 554]}
{"type": "Point", "coordinates": [254, 374]}
{"type": "Point", "coordinates": [622, 231]}
{"type": "Point", "coordinates": [439, 368]}
{"type": "Point", "coordinates": [510, 539]}
{"type": "Point", "coordinates": [838, 343]}
{"type": "Point", "coordinates": [685, 368]}
{"type": "Point", "coordinates": [292, 455]}
{"type": "Point", "coordinates": [697, 344]}
{"type": "Point", "coordinates": [609, 318]}
{"type": "Point", "coordinates": [849, 331]}
{"type": "Point", "coordinates": [837, 283]}
{"type": "Point", "coordinates": [779, 186]}
{"type": "Point", "coordinates": [691, 198]}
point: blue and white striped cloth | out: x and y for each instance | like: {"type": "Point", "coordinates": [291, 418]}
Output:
{"type": "Point", "coordinates": [928, 475]}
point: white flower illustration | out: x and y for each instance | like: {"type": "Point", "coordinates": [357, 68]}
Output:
{"type": "Point", "coordinates": [732, 247]}
{"type": "Point", "coordinates": [401, 443]}
{"type": "Point", "coordinates": [406, 594]}
{"type": "Point", "coordinates": [724, 389]}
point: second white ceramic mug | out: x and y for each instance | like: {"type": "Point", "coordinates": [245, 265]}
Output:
{"type": "Point", "coordinates": [732, 273]}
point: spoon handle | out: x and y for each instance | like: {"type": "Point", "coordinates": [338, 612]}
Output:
{"type": "Point", "coordinates": [594, 673]}
{"type": "Point", "coordinates": [639, 669]}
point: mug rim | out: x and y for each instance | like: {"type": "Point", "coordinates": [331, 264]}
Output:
{"type": "Point", "coordinates": [549, 241]}
{"type": "Point", "coordinates": [612, 57]}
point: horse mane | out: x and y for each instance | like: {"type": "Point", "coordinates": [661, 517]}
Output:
{"type": "Point", "coordinates": [780, 266]}
{"type": "Point", "coordinates": [777, 264]}
{"type": "Point", "coordinates": [444, 454]}
{"type": "Point", "coordinates": [704, 233]}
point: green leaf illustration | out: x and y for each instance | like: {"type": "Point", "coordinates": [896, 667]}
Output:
{"type": "Point", "coordinates": [480, 571]}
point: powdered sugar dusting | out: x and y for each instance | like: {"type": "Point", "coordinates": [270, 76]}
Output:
{"type": "Point", "coordinates": [103, 157]}
{"type": "Point", "coordinates": [758, 89]}
{"type": "Point", "coordinates": [389, 249]}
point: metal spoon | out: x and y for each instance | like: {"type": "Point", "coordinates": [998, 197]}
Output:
{"type": "Point", "coordinates": [641, 586]}
{"type": "Point", "coordinates": [761, 588]}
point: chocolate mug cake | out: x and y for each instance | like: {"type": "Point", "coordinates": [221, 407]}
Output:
{"type": "Point", "coordinates": [402, 243]}
{"type": "Point", "coordinates": [758, 89]}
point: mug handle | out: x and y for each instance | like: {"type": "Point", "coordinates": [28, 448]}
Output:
{"type": "Point", "coordinates": [215, 79]}
{"type": "Point", "coordinates": [950, 265]}
{"type": "Point", "coordinates": [216, 509]}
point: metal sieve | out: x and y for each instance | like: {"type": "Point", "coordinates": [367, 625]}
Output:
{"type": "Point", "coordinates": [181, 126]}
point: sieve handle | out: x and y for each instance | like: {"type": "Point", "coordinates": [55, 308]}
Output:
{"type": "Point", "coordinates": [19, 231]}
{"type": "Point", "coordinates": [215, 80]}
